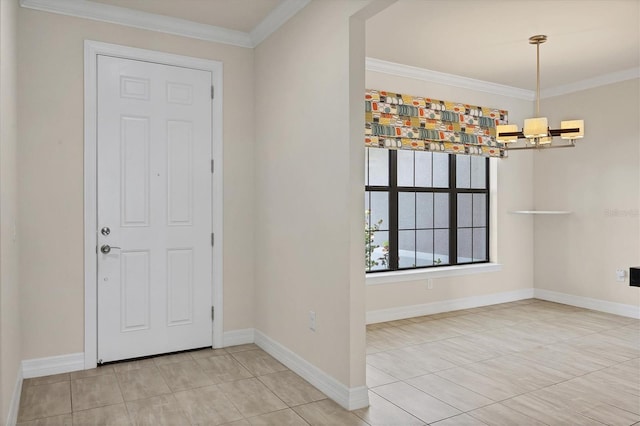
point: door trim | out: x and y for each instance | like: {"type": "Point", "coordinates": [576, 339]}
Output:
{"type": "Point", "coordinates": [91, 51]}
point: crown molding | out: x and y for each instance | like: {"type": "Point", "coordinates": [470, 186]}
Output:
{"type": "Point", "coordinates": [274, 20]}
{"type": "Point", "coordinates": [165, 24]}
{"type": "Point", "coordinates": [138, 19]}
{"type": "Point", "coordinates": [423, 74]}
{"type": "Point", "coordinates": [590, 83]}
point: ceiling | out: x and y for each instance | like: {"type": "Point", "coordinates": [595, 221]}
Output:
{"type": "Point", "coordinates": [485, 40]}
{"type": "Point", "coordinates": [488, 39]}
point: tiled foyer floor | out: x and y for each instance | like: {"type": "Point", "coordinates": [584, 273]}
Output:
{"type": "Point", "coordinates": [522, 363]}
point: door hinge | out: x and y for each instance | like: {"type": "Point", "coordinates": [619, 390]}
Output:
{"type": "Point", "coordinates": [213, 239]}
{"type": "Point", "coordinates": [212, 313]}
{"type": "Point", "coordinates": [212, 92]}
{"type": "Point", "coordinates": [212, 166]}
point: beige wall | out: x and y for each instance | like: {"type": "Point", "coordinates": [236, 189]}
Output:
{"type": "Point", "coordinates": [514, 192]}
{"type": "Point", "coordinates": [51, 173]}
{"type": "Point", "coordinates": [598, 181]}
{"type": "Point", "coordinates": [10, 336]}
{"type": "Point", "coordinates": [305, 189]}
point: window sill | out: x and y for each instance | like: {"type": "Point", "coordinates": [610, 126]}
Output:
{"type": "Point", "coordinates": [424, 274]}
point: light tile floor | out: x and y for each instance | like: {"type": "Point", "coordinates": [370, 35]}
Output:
{"type": "Point", "coordinates": [523, 363]}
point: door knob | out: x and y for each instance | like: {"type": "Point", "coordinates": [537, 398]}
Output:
{"type": "Point", "coordinates": [106, 248]}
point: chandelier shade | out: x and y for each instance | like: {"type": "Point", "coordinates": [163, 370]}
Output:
{"type": "Point", "coordinates": [569, 129]}
{"type": "Point", "coordinates": [535, 127]}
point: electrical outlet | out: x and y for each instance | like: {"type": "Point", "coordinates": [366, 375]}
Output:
{"type": "Point", "coordinates": [312, 320]}
{"type": "Point", "coordinates": [620, 275]}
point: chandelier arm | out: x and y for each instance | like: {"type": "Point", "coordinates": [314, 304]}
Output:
{"type": "Point", "coordinates": [515, 148]}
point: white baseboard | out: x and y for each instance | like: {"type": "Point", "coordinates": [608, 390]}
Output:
{"type": "Point", "coordinates": [12, 417]}
{"type": "Point", "coordinates": [402, 312]}
{"type": "Point", "coordinates": [237, 337]}
{"type": "Point", "coordinates": [52, 365]}
{"type": "Point", "coordinates": [631, 311]}
{"type": "Point", "coordinates": [349, 398]}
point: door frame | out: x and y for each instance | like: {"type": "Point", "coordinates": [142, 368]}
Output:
{"type": "Point", "coordinates": [91, 51]}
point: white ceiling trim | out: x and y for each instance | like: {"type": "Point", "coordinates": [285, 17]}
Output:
{"type": "Point", "coordinates": [590, 83]}
{"type": "Point", "coordinates": [423, 74]}
{"type": "Point", "coordinates": [165, 24]}
{"type": "Point", "coordinates": [274, 20]}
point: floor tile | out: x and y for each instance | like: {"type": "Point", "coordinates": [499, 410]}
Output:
{"type": "Point", "coordinates": [142, 383]}
{"type": "Point", "coordinates": [499, 415]}
{"type": "Point", "coordinates": [523, 375]}
{"type": "Point", "coordinates": [430, 331]}
{"type": "Point", "coordinates": [405, 363]}
{"type": "Point", "coordinates": [184, 375]}
{"type": "Point", "coordinates": [491, 387]}
{"type": "Point", "coordinates": [603, 392]}
{"type": "Point", "coordinates": [377, 377]}
{"type": "Point", "coordinates": [547, 412]}
{"type": "Point", "coordinates": [96, 391]}
{"type": "Point", "coordinates": [55, 378]}
{"type": "Point", "coordinates": [173, 358]}
{"type": "Point", "coordinates": [121, 367]}
{"type": "Point", "coordinates": [45, 401]}
{"type": "Point", "coordinates": [291, 388]}
{"type": "Point", "coordinates": [258, 362]}
{"type": "Point", "coordinates": [565, 359]}
{"type": "Point", "coordinates": [416, 402]}
{"type": "Point", "coordinates": [459, 350]}
{"type": "Point", "coordinates": [385, 339]}
{"type": "Point", "coordinates": [223, 368]}
{"type": "Point", "coordinates": [460, 420]}
{"type": "Point", "coordinates": [327, 413]}
{"type": "Point", "coordinates": [240, 348]}
{"type": "Point", "coordinates": [608, 414]}
{"type": "Point", "coordinates": [286, 417]}
{"type": "Point", "coordinates": [160, 410]}
{"type": "Point", "coordinates": [382, 412]}
{"type": "Point", "coordinates": [600, 345]}
{"type": "Point", "coordinates": [63, 420]}
{"type": "Point", "coordinates": [98, 371]}
{"type": "Point", "coordinates": [457, 396]}
{"type": "Point", "coordinates": [207, 405]}
{"type": "Point", "coordinates": [115, 415]}
{"type": "Point", "coordinates": [466, 324]}
{"type": "Point", "coordinates": [242, 422]}
{"type": "Point", "coordinates": [206, 353]}
{"type": "Point", "coordinates": [251, 397]}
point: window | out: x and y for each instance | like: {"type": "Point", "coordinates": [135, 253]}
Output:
{"type": "Point", "coordinates": [425, 209]}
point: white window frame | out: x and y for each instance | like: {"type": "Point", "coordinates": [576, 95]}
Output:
{"type": "Point", "coordinates": [377, 278]}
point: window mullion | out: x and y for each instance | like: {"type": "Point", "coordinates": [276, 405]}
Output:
{"type": "Point", "coordinates": [393, 210]}
{"type": "Point", "coordinates": [453, 212]}
{"type": "Point", "coordinates": [488, 218]}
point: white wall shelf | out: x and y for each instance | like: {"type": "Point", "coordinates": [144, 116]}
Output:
{"type": "Point", "coordinates": [541, 212]}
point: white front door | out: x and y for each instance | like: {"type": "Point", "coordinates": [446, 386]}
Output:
{"type": "Point", "coordinates": [154, 208]}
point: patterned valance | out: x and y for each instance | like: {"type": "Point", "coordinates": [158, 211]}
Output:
{"type": "Point", "coordinates": [396, 121]}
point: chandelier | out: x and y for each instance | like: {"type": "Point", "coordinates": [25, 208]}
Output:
{"type": "Point", "coordinates": [536, 131]}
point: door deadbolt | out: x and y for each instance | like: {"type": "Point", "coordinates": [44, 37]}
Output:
{"type": "Point", "coordinates": [105, 231]}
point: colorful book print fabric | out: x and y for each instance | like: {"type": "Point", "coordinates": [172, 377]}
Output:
{"type": "Point", "coordinates": [397, 121]}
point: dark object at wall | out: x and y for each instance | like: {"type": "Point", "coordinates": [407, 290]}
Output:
{"type": "Point", "coordinates": [634, 276]}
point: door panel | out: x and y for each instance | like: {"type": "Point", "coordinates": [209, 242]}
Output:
{"type": "Point", "coordinates": [154, 195]}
